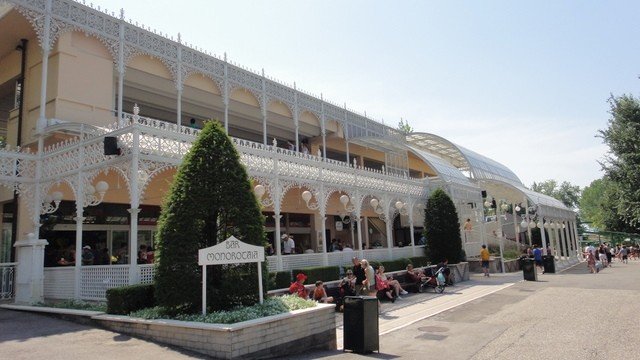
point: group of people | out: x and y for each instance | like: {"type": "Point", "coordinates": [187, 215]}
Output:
{"type": "Point", "coordinates": [602, 256]}
{"type": "Point", "coordinates": [339, 245]}
{"type": "Point", "coordinates": [363, 279]}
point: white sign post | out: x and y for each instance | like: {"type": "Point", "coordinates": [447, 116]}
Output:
{"type": "Point", "coordinates": [230, 251]}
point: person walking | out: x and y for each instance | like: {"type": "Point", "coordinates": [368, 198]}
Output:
{"type": "Point", "coordinates": [484, 257]}
{"type": "Point", "coordinates": [537, 257]}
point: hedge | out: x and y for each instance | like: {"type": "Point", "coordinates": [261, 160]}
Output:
{"type": "Point", "coordinates": [395, 265]}
{"type": "Point", "coordinates": [419, 261]}
{"type": "Point", "coordinates": [126, 299]}
{"type": "Point", "coordinates": [282, 279]}
{"type": "Point", "coordinates": [324, 273]}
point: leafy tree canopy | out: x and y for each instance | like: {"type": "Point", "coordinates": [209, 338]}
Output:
{"type": "Point", "coordinates": [566, 192]}
{"type": "Point", "coordinates": [404, 126]}
{"type": "Point", "coordinates": [622, 164]}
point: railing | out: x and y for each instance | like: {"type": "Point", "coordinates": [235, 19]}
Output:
{"type": "Point", "coordinates": [161, 142]}
{"type": "Point", "coordinates": [146, 273]}
{"type": "Point", "coordinates": [59, 282]}
{"type": "Point", "coordinates": [96, 279]}
{"type": "Point", "coordinates": [341, 258]}
{"type": "Point", "coordinates": [7, 280]}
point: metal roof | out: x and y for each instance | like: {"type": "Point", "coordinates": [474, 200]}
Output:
{"type": "Point", "coordinates": [480, 166]}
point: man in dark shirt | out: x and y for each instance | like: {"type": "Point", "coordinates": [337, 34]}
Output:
{"type": "Point", "coordinates": [358, 272]}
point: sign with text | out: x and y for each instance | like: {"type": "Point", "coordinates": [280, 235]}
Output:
{"type": "Point", "coordinates": [230, 251]}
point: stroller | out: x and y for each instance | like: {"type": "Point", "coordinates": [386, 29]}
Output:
{"type": "Point", "coordinates": [435, 280]}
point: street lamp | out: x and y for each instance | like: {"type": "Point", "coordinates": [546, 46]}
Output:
{"type": "Point", "coordinates": [259, 190]}
{"type": "Point", "coordinates": [306, 196]}
{"type": "Point", "coordinates": [51, 203]}
{"type": "Point", "coordinates": [95, 195]}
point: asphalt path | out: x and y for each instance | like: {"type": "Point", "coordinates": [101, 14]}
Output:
{"type": "Point", "coordinates": [570, 315]}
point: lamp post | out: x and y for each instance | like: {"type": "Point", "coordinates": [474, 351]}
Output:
{"type": "Point", "coordinates": [51, 203]}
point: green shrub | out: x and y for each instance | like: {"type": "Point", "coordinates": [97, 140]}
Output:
{"type": "Point", "coordinates": [282, 279]}
{"type": "Point", "coordinates": [75, 304]}
{"type": "Point", "coordinates": [125, 299]}
{"type": "Point", "coordinates": [442, 229]}
{"type": "Point", "coordinates": [395, 265]}
{"type": "Point", "coordinates": [419, 261]}
{"type": "Point", "coordinates": [324, 273]}
{"type": "Point", "coordinates": [494, 249]}
{"type": "Point", "coordinates": [210, 199]}
{"type": "Point", "coordinates": [272, 306]}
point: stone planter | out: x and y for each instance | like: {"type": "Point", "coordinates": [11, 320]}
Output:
{"type": "Point", "coordinates": [459, 271]}
{"type": "Point", "coordinates": [279, 335]}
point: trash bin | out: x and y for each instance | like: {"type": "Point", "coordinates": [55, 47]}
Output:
{"type": "Point", "coordinates": [549, 263]}
{"type": "Point", "coordinates": [361, 324]}
{"type": "Point", "coordinates": [529, 269]}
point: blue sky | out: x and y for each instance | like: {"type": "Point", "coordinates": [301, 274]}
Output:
{"type": "Point", "coordinates": [525, 83]}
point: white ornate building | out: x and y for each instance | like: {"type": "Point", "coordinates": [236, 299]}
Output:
{"type": "Point", "coordinates": [72, 75]}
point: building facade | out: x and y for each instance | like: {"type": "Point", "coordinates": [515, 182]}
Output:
{"type": "Point", "coordinates": [97, 113]}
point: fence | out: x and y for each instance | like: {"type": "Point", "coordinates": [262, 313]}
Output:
{"type": "Point", "coordinates": [7, 280]}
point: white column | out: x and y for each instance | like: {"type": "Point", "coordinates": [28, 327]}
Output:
{"type": "Point", "coordinates": [346, 133]}
{"type": "Point", "coordinates": [277, 238]}
{"type": "Point", "coordinates": [80, 195]}
{"type": "Point", "coordinates": [366, 237]}
{"type": "Point", "coordinates": [516, 224]}
{"type": "Point", "coordinates": [29, 278]}
{"type": "Point", "coordinates": [133, 248]}
{"type": "Point", "coordinates": [225, 95]}
{"type": "Point", "coordinates": [323, 129]}
{"type": "Point", "coordinates": [413, 240]}
{"type": "Point", "coordinates": [121, 66]}
{"type": "Point", "coordinates": [264, 110]}
{"type": "Point", "coordinates": [526, 207]}
{"type": "Point", "coordinates": [179, 87]}
{"type": "Point", "coordinates": [500, 233]}
{"type": "Point", "coordinates": [134, 210]}
{"type": "Point", "coordinates": [565, 244]}
{"type": "Point", "coordinates": [543, 236]}
{"type": "Point", "coordinates": [575, 238]}
{"type": "Point", "coordinates": [389, 224]}
{"type": "Point", "coordinates": [358, 219]}
{"type": "Point", "coordinates": [46, 48]}
{"type": "Point", "coordinates": [323, 227]}
{"type": "Point", "coordinates": [179, 109]}
{"type": "Point", "coordinates": [296, 119]}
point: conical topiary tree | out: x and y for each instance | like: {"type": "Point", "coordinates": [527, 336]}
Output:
{"type": "Point", "coordinates": [210, 199]}
{"type": "Point", "coordinates": [442, 229]}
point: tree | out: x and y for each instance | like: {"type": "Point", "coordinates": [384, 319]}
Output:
{"type": "Point", "coordinates": [210, 199]}
{"type": "Point", "coordinates": [405, 127]}
{"type": "Point", "coordinates": [442, 229]}
{"type": "Point", "coordinates": [622, 164]}
{"type": "Point", "coordinates": [566, 192]}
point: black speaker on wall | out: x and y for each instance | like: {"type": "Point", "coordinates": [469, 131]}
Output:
{"type": "Point", "coordinates": [484, 194]}
{"type": "Point", "coordinates": [111, 145]}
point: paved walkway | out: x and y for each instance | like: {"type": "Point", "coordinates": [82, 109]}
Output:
{"type": "Point", "coordinates": [572, 315]}
{"type": "Point", "coordinates": [417, 306]}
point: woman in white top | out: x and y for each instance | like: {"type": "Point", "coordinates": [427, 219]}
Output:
{"type": "Point", "coordinates": [370, 282]}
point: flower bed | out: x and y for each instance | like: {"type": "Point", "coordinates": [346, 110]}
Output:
{"type": "Point", "coordinates": [278, 335]}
